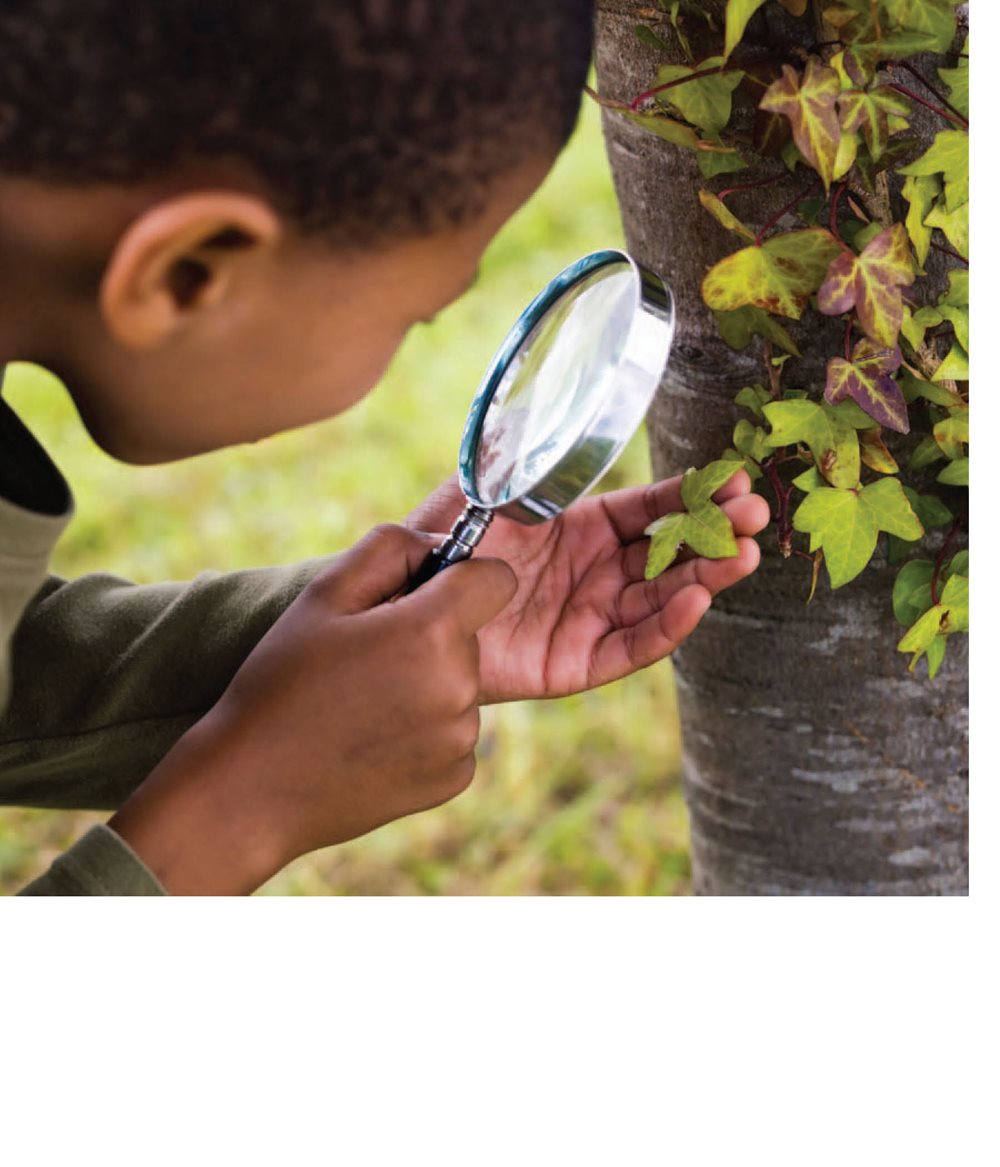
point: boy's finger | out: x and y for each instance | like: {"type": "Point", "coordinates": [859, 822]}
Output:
{"type": "Point", "coordinates": [376, 568]}
{"type": "Point", "coordinates": [472, 592]}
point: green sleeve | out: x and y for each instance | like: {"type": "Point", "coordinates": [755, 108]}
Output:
{"type": "Point", "coordinates": [100, 864]}
{"type": "Point", "coordinates": [107, 675]}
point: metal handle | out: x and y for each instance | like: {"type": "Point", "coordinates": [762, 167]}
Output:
{"type": "Point", "coordinates": [469, 528]}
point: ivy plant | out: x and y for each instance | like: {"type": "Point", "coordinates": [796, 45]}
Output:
{"type": "Point", "coordinates": [853, 245]}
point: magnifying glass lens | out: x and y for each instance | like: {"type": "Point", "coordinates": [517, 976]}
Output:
{"type": "Point", "coordinates": [555, 383]}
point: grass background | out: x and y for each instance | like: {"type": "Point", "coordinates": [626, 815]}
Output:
{"type": "Point", "coordinates": [578, 795]}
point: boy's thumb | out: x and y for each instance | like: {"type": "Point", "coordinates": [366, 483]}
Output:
{"type": "Point", "coordinates": [474, 591]}
{"type": "Point", "coordinates": [377, 568]}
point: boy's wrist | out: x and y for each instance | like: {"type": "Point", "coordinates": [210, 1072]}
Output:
{"type": "Point", "coordinates": [192, 825]}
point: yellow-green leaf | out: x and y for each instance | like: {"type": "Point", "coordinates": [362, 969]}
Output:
{"type": "Point", "coordinates": [948, 154]}
{"type": "Point", "coordinates": [664, 127]}
{"type": "Point", "coordinates": [779, 275]}
{"type": "Point", "coordinates": [832, 440]}
{"type": "Point", "coordinates": [705, 102]}
{"type": "Point", "coordinates": [738, 13]}
{"type": "Point", "coordinates": [953, 224]}
{"type": "Point", "coordinates": [739, 327]}
{"type": "Point", "coordinates": [722, 214]}
{"type": "Point", "coordinates": [920, 191]}
{"type": "Point", "coordinates": [698, 486]}
{"type": "Point", "coordinates": [954, 367]}
{"type": "Point", "coordinates": [955, 473]}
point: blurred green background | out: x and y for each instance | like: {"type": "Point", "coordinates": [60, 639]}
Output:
{"type": "Point", "coordinates": [575, 796]}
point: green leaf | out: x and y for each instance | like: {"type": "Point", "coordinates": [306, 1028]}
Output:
{"type": "Point", "coordinates": [928, 508]}
{"type": "Point", "coordinates": [663, 127]}
{"type": "Point", "coordinates": [846, 523]}
{"type": "Point", "coordinates": [954, 367]}
{"type": "Point", "coordinates": [713, 162]}
{"type": "Point", "coordinates": [957, 81]}
{"type": "Point", "coordinates": [920, 191]}
{"type": "Point", "coordinates": [951, 432]}
{"type": "Point", "coordinates": [935, 655]}
{"type": "Point", "coordinates": [953, 224]}
{"type": "Point", "coordinates": [808, 480]}
{"type": "Point", "coordinates": [779, 275]}
{"type": "Point", "coordinates": [958, 564]}
{"type": "Point", "coordinates": [738, 13]}
{"type": "Point", "coordinates": [955, 597]}
{"type": "Point", "coordinates": [948, 155]}
{"type": "Point", "coordinates": [934, 20]}
{"type": "Point", "coordinates": [751, 441]}
{"type": "Point", "coordinates": [832, 440]}
{"type": "Point", "coordinates": [666, 536]}
{"type": "Point", "coordinates": [867, 379]}
{"type": "Point", "coordinates": [955, 473]}
{"type": "Point", "coordinates": [810, 104]}
{"type": "Point", "coordinates": [958, 288]}
{"type": "Point", "coordinates": [709, 532]}
{"type": "Point", "coordinates": [646, 36]}
{"type": "Point", "coordinates": [959, 318]}
{"type": "Point", "coordinates": [739, 327]}
{"type": "Point", "coordinates": [723, 215]}
{"type": "Point", "coordinates": [705, 102]}
{"type": "Point", "coordinates": [704, 527]}
{"type": "Point", "coordinates": [915, 388]}
{"type": "Point", "coordinates": [698, 486]}
{"type": "Point", "coordinates": [926, 452]}
{"type": "Point", "coordinates": [754, 397]}
{"type": "Point", "coordinates": [870, 283]}
{"type": "Point", "coordinates": [911, 593]}
{"type": "Point", "coordinates": [919, 638]}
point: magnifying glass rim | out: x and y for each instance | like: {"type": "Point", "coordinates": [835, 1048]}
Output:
{"type": "Point", "coordinates": [529, 318]}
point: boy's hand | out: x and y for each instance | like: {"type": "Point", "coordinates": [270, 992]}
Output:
{"type": "Point", "coordinates": [583, 614]}
{"type": "Point", "coordinates": [349, 713]}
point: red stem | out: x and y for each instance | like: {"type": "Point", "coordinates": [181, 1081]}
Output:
{"type": "Point", "coordinates": [958, 120]}
{"type": "Point", "coordinates": [782, 494]}
{"type": "Point", "coordinates": [724, 194]}
{"type": "Point", "coordinates": [790, 205]}
{"type": "Point", "coordinates": [678, 81]}
{"type": "Point", "coordinates": [928, 86]}
{"type": "Point", "coordinates": [939, 562]}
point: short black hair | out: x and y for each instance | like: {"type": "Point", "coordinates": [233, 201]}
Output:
{"type": "Point", "coordinates": [362, 117]}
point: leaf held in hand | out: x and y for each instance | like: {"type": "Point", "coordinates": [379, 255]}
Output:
{"type": "Point", "coordinates": [704, 527]}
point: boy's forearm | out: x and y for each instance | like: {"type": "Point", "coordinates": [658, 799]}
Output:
{"type": "Point", "coordinates": [190, 825]}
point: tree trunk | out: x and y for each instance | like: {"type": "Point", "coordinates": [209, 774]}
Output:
{"type": "Point", "coordinates": [815, 764]}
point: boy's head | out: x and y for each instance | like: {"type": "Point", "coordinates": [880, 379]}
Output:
{"type": "Point", "coordinates": [218, 219]}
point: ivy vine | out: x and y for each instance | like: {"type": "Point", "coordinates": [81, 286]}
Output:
{"type": "Point", "coordinates": [839, 112]}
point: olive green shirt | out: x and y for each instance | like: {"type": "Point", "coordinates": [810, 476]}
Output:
{"type": "Point", "coordinates": [99, 677]}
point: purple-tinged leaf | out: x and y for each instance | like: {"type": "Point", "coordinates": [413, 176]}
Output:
{"type": "Point", "coordinates": [870, 283]}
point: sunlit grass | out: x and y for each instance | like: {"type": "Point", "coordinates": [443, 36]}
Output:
{"type": "Point", "coordinates": [572, 796]}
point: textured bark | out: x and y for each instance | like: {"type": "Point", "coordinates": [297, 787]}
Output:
{"type": "Point", "coordinates": [815, 764]}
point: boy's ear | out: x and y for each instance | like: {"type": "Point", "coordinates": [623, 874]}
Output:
{"type": "Point", "coordinates": [178, 258]}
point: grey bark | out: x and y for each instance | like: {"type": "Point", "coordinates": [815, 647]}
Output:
{"type": "Point", "coordinates": [814, 763]}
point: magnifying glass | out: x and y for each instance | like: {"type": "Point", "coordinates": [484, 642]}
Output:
{"type": "Point", "coordinates": [566, 390]}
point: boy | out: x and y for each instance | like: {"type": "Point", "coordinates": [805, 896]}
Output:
{"type": "Point", "coordinates": [217, 221]}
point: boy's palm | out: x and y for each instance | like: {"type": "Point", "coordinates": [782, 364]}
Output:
{"type": "Point", "coordinates": [583, 613]}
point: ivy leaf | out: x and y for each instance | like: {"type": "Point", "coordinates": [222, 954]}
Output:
{"type": "Point", "coordinates": [957, 80]}
{"type": "Point", "coordinates": [931, 512]}
{"type": "Point", "coordinates": [713, 162]}
{"type": "Point", "coordinates": [738, 13]}
{"type": "Point", "coordinates": [948, 616]}
{"type": "Point", "coordinates": [920, 191]}
{"type": "Point", "coordinates": [869, 110]}
{"type": "Point", "coordinates": [959, 318]}
{"type": "Point", "coordinates": [955, 473]}
{"type": "Point", "coordinates": [705, 102]}
{"type": "Point", "coordinates": [704, 526]}
{"type": "Point", "coordinates": [666, 536]}
{"type": "Point", "coordinates": [739, 327]}
{"type": "Point", "coordinates": [948, 154]}
{"type": "Point", "coordinates": [870, 283]}
{"type": "Point", "coordinates": [952, 432]}
{"type": "Point", "coordinates": [832, 440]}
{"type": "Point", "coordinates": [722, 214]}
{"type": "Point", "coordinates": [810, 479]}
{"type": "Point", "coordinates": [698, 486]}
{"type": "Point", "coordinates": [875, 453]}
{"type": "Point", "coordinates": [916, 388]}
{"type": "Point", "coordinates": [867, 379]}
{"type": "Point", "coordinates": [645, 35]}
{"type": "Point", "coordinates": [810, 104]}
{"type": "Point", "coordinates": [846, 523]}
{"type": "Point", "coordinates": [911, 592]}
{"type": "Point", "coordinates": [954, 224]}
{"type": "Point", "coordinates": [955, 598]}
{"type": "Point", "coordinates": [925, 453]}
{"type": "Point", "coordinates": [751, 441]}
{"type": "Point", "coordinates": [754, 397]}
{"type": "Point", "coordinates": [958, 288]}
{"type": "Point", "coordinates": [778, 275]}
{"type": "Point", "coordinates": [664, 127]}
{"type": "Point", "coordinates": [954, 367]}
{"type": "Point", "coordinates": [931, 20]}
